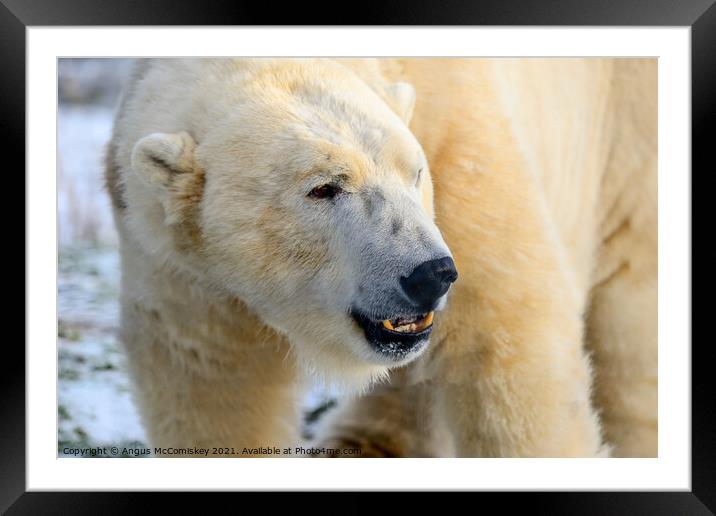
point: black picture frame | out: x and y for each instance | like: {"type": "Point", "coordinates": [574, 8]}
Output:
{"type": "Point", "coordinates": [700, 15]}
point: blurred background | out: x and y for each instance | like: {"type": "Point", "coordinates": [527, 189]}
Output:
{"type": "Point", "coordinates": [95, 405]}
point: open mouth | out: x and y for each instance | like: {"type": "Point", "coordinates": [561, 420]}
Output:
{"type": "Point", "coordinates": [409, 325]}
{"type": "Point", "coordinates": [397, 336]}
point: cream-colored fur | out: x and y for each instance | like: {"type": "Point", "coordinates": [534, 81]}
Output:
{"type": "Point", "coordinates": [544, 177]}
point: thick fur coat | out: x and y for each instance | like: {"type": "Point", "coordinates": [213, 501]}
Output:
{"type": "Point", "coordinates": [262, 204]}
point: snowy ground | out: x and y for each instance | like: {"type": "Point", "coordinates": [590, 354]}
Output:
{"type": "Point", "coordinates": [94, 401]}
{"type": "Point", "coordinates": [94, 405]}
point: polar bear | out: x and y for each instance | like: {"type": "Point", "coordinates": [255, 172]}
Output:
{"type": "Point", "coordinates": [278, 223]}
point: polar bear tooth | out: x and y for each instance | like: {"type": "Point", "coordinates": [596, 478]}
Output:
{"type": "Point", "coordinates": [428, 319]}
{"type": "Point", "coordinates": [410, 327]}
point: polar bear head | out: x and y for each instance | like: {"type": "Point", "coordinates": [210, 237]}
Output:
{"type": "Point", "coordinates": [300, 190]}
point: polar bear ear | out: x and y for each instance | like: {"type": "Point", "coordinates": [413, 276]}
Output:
{"type": "Point", "coordinates": [401, 97]}
{"type": "Point", "coordinates": [159, 157]}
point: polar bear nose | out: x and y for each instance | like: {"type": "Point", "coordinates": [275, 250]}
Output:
{"type": "Point", "coordinates": [429, 281]}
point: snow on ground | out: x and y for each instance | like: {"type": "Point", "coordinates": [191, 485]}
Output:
{"type": "Point", "coordinates": [95, 407]}
{"type": "Point", "coordinates": [94, 404]}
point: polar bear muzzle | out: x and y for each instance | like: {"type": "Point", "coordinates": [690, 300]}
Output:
{"type": "Point", "coordinates": [399, 335]}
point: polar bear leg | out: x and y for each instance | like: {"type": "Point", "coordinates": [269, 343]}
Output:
{"type": "Point", "coordinates": [394, 420]}
{"type": "Point", "coordinates": [623, 337]}
{"type": "Point", "coordinates": [622, 316]}
{"type": "Point", "coordinates": [518, 388]}
{"type": "Point", "coordinates": [512, 376]}
{"type": "Point", "coordinates": [231, 401]}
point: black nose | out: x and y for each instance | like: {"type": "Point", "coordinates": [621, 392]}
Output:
{"type": "Point", "coordinates": [429, 281]}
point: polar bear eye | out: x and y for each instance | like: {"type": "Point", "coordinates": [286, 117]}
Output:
{"type": "Point", "coordinates": [325, 192]}
{"type": "Point", "coordinates": [417, 180]}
